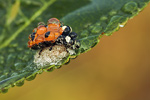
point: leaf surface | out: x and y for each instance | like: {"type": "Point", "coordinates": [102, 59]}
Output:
{"type": "Point", "coordinates": [91, 19]}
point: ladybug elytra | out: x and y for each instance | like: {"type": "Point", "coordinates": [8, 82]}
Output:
{"type": "Point", "coordinates": [52, 34]}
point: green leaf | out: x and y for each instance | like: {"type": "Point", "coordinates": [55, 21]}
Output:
{"type": "Point", "coordinates": [91, 19]}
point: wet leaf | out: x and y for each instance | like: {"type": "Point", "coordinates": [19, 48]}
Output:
{"type": "Point", "coordinates": [91, 19]}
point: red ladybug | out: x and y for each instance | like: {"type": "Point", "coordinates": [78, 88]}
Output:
{"type": "Point", "coordinates": [52, 34]}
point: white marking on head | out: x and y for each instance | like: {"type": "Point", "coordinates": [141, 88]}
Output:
{"type": "Point", "coordinates": [68, 38]}
{"type": "Point", "coordinates": [64, 27]}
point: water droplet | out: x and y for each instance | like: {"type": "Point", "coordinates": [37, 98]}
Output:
{"type": "Point", "coordinates": [27, 57]}
{"type": "Point", "coordinates": [82, 50]}
{"type": "Point", "coordinates": [1, 69]}
{"type": "Point", "coordinates": [19, 66]}
{"type": "Point", "coordinates": [40, 71]}
{"type": "Point", "coordinates": [32, 77]}
{"type": "Point", "coordinates": [103, 18]}
{"type": "Point", "coordinates": [73, 57]}
{"type": "Point", "coordinates": [20, 49]}
{"type": "Point", "coordinates": [27, 52]}
{"type": "Point", "coordinates": [91, 27]}
{"type": "Point", "coordinates": [50, 69]}
{"type": "Point", "coordinates": [114, 23]}
{"type": "Point", "coordinates": [113, 12]}
{"type": "Point", "coordinates": [87, 25]}
{"type": "Point", "coordinates": [84, 33]}
{"type": "Point", "coordinates": [11, 58]}
{"type": "Point", "coordinates": [20, 56]}
{"type": "Point", "coordinates": [96, 29]}
{"type": "Point", "coordinates": [67, 62]}
{"type": "Point", "coordinates": [1, 60]}
{"type": "Point", "coordinates": [20, 83]}
{"type": "Point", "coordinates": [141, 5]}
{"type": "Point", "coordinates": [14, 74]}
{"type": "Point", "coordinates": [98, 24]}
{"type": "Point", "coordinates": [4, 90]}
{"type": "Point", "coordinates": [130, 7]}
{"type": "Point", "coordinates": [12, 85]}
{"type": "Point", "coordinates": [11, 50]}
{"type": "Point", "coordinates": [93, 45]}
{"type": "Point", "coordinates": [58, 67]}
{"type": "Point", "coordinates": [13, 45]}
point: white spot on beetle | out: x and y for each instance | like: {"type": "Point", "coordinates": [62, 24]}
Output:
{"type": "Point", "coordinates": [64, 27]}
{"type": "Point", "coordinates": [68, 38]}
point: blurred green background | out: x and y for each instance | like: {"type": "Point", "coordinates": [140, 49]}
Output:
{"type": "Point", "coordinates": [118, 68]}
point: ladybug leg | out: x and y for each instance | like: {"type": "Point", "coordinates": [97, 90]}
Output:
{"type": "Point", "coordinates": [40, 51]}
{"type": "Point", "coordinates": [51, 47]}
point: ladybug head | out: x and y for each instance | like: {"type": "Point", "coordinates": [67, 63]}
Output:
{"type": "Point", "coordinates": [66, 30]}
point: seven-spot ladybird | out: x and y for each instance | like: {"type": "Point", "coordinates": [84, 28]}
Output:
{"type": "Point", "coordinates": [52, 34]}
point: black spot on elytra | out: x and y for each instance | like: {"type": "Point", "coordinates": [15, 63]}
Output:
{"type": "Point", "coordinates": [32, 36]}
{"type": "Point", "coordinates": [47, 34]}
